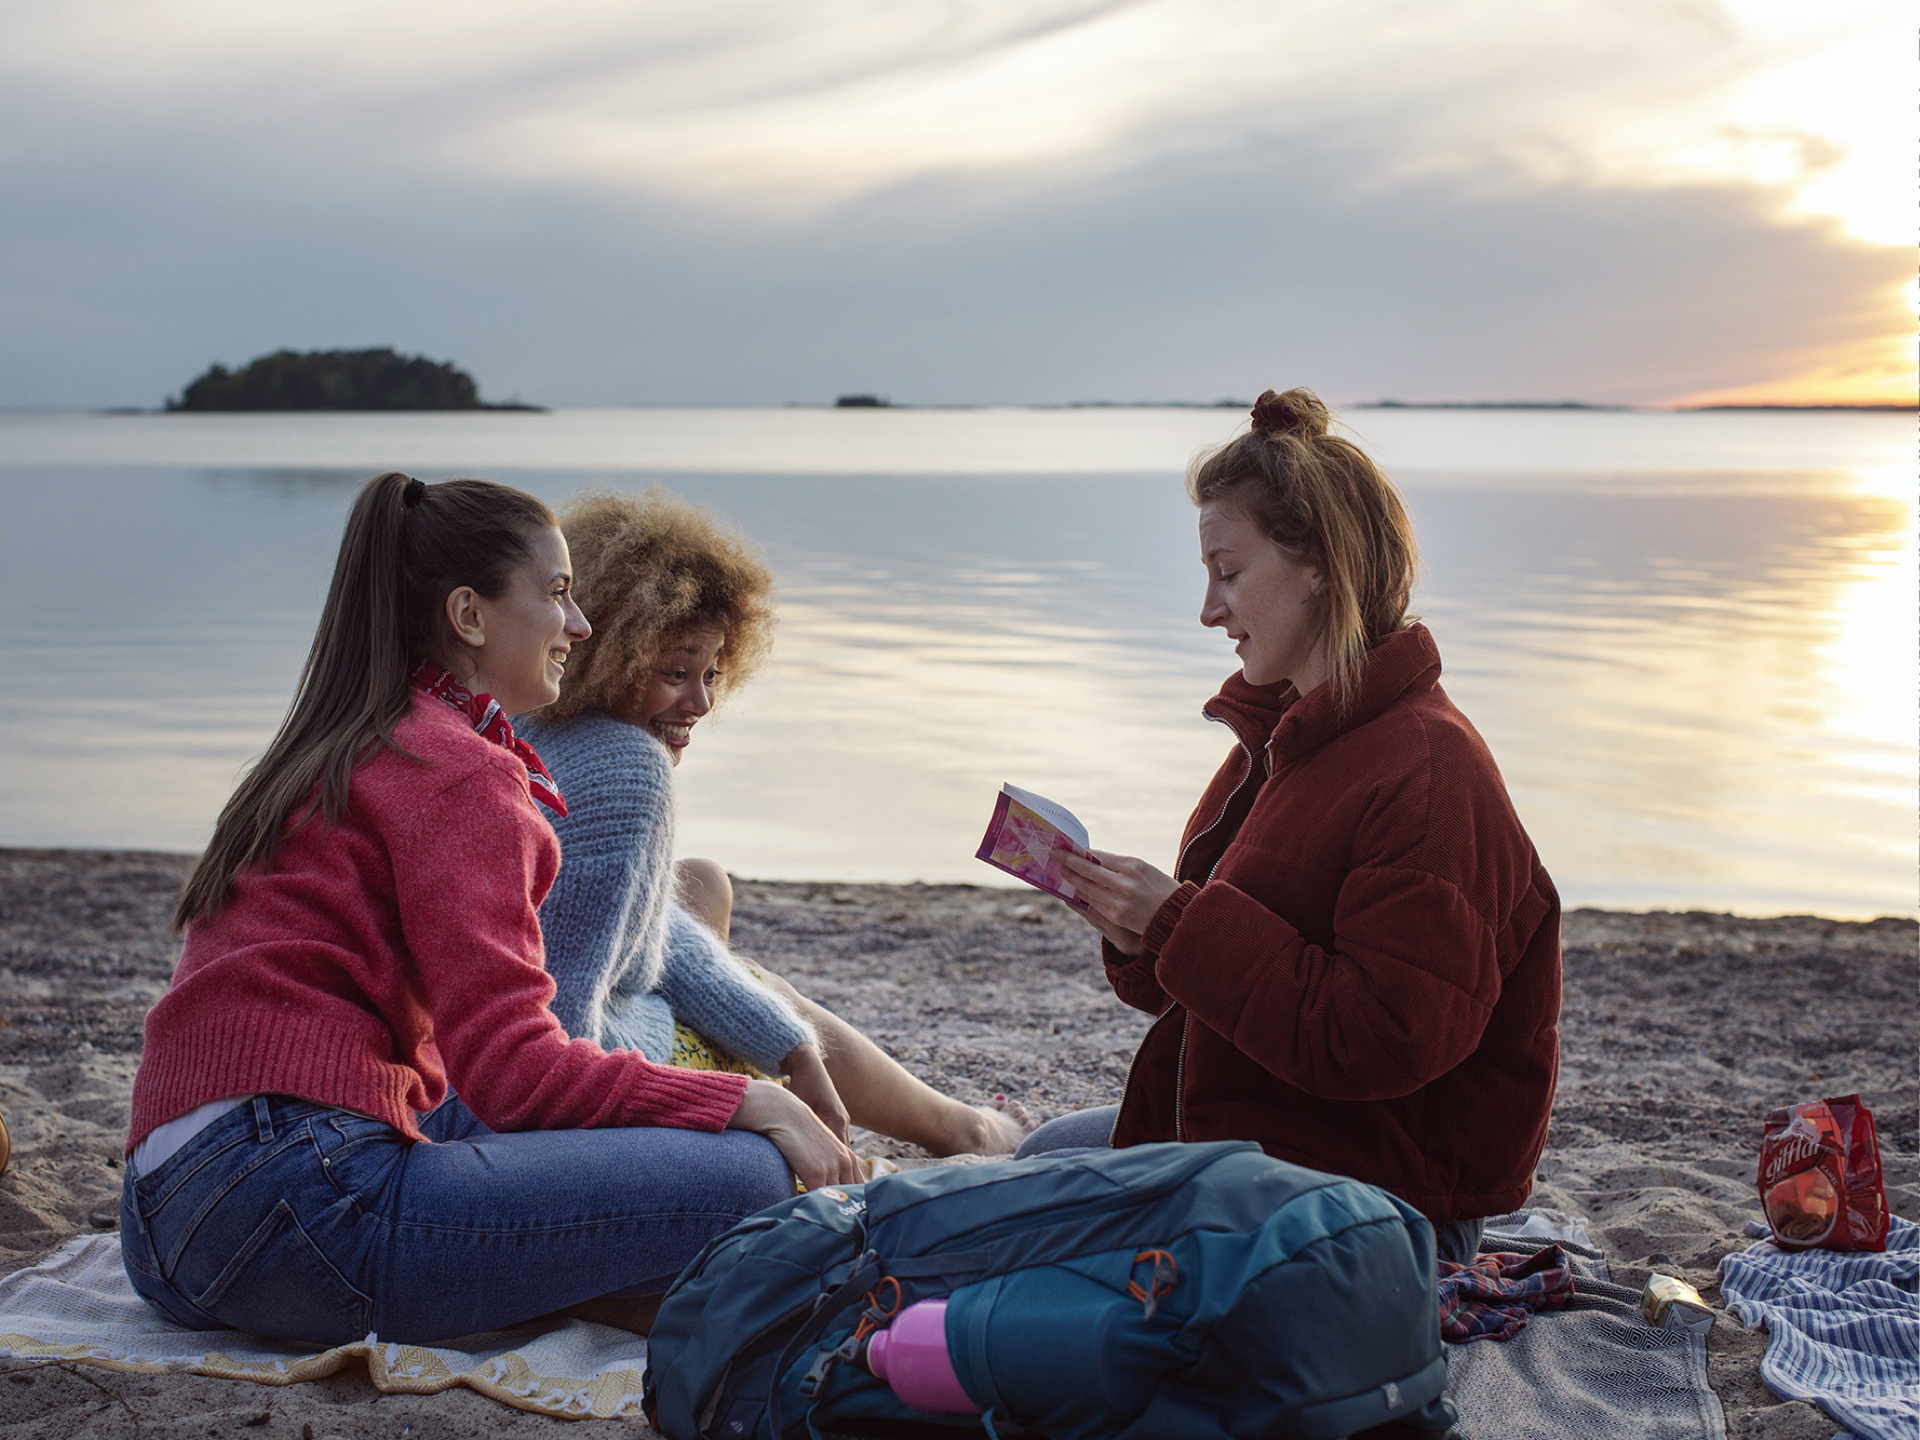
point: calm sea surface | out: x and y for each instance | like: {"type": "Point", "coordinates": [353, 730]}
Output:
{"type": "Point", "coordinates": [1689, 639]}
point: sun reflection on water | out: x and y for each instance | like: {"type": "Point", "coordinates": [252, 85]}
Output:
{"type": "Point", "coordinates": [1699, 682]}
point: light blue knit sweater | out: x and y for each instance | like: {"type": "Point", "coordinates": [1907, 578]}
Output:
{"type": "Point", "coordinates": [627, 958]}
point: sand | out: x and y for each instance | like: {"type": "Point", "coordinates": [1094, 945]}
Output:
{"type": "Point", "coordinates": [1680, 1031]}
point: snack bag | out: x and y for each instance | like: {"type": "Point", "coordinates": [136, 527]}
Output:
{"type": "Point", "coordinates": [1820, 1180]}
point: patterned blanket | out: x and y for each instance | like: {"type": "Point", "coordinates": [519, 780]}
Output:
{"type": "Point", "coordinates": [1843, 1328]}
{"type": "Point", "coordinates": [77, 1305]}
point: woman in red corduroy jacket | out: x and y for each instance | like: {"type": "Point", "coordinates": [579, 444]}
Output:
{"type": "Point", "coordinates": [1356, 961]}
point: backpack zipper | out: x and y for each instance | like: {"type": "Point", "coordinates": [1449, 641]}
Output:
{"type": "Point", "coordinates": [1019, 1223]}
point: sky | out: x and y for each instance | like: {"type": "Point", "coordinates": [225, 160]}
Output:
{"type": "Point", "coordinates": [616, 202]}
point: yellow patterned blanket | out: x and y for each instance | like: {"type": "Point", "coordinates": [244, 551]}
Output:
{"type": "Point", "coordinates": [77, 1305]}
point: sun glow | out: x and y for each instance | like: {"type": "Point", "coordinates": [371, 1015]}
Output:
{"type": "Point", "coordinates": [1822, 123]}
{"type": "Point", "coordinates": [1818, 111]}
{"type": "Point", "coordinates": [1877, 371]}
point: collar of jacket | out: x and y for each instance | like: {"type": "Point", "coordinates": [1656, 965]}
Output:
{"type": "Point", "coordinates": [1288, 725]}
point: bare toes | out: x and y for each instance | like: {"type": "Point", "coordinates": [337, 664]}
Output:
{"type": "Point", "coordinates": [1018, 1113]}
{"type": "Point", "coordinates": [1008, 1122]}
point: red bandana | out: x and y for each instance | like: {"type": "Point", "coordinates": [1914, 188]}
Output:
{"type": "Point", "coordinates": [485, 713]}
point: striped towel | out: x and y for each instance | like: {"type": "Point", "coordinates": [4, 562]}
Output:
{"type": "Point", "coordinates": [1843, 1328]}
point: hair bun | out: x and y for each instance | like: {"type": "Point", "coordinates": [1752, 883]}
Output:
{"type": "Point", "coordinates": [1297, 412]}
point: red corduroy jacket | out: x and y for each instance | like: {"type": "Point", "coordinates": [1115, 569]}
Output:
{"type": "Point", "coordinates": [1361, 967]}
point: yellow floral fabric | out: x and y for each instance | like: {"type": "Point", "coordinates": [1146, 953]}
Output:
{"type": "Point", "coordinates": [693, 1051]}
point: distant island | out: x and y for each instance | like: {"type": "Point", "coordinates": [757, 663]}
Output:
{"type": "Point", "coordinates": [337, 380]}
{"type": "Point", "coordinates": [863, 402]}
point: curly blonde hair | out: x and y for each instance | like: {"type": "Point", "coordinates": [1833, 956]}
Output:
{"type": "Point", "coordinates": [647, 570]}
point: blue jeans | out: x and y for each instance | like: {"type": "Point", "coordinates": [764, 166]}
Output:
{"type": "Point", "coordinates": [1081, 1130]}
{"type": "Point", "coordinates": [1071, 1133]}
{"type": "Point", "coordinates": [295, 1220]}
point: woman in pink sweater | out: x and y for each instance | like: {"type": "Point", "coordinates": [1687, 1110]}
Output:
{"type": "Point", "coordinates": [361, 943]}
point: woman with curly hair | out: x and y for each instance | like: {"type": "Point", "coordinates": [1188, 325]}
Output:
{"type": "Point", "coordinates": [637, 944]}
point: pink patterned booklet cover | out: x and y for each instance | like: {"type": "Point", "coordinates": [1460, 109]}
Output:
{"type": "Point", "coordinates": [1024, 839]}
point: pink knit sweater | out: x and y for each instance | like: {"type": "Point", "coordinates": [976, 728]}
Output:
{"type": "Point", "coordinates": [381, 959]}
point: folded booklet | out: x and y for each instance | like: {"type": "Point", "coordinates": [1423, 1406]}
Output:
{"type": "Point", "coordinates": [1024, 840]}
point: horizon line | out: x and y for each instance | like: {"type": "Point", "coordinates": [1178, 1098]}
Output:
{"type": "Point", "coordinates": [1380, 404]}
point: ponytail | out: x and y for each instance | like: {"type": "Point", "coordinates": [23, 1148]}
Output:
{"type": "Point", "coordinates": [407, 546]}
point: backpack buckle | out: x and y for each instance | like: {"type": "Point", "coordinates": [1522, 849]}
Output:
{"type": "Point", "coordinates": [848, 1350]}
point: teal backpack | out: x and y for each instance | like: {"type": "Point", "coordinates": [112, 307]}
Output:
{"type": "Point", "coordinates": [1157, 1291]}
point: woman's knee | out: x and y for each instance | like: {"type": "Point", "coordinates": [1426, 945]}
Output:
{"type": "Point", "coordinates": [1075, 1132]}
{"type": "Point", "coordinates": [765, 1179]}
{"type": "Point", "coordinates": [778, 984]}
{"type": "Point", "coordinates": [707, 891]}
{"type": "Point", "coordinates": [832, 1030]}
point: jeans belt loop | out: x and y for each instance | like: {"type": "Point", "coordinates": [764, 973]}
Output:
{"type": "Point", "coordinates": [262, 1119]}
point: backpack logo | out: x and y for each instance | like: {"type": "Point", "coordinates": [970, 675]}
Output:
{"type": "Point", "coordinates": [1393, 1396]}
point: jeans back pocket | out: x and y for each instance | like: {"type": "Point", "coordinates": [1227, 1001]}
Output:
{"type": "Point", "coordinates": [279, 1284]}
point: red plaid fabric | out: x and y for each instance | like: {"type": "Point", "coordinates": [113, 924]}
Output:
{"type": "Point", "coordinates": [1495, 1295]}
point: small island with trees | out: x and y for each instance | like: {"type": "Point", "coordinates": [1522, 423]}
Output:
{"type": "Point", "coordinates": [337, 380]}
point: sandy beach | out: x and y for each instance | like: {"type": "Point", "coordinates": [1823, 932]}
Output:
{"type": "Point", "coordinates": [1679, 1032]}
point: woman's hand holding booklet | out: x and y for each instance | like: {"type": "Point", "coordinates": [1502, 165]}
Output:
{"type": "Point", "coordinates": [1026, 837]}
{"type": "Point", "coordinates": [1046, 846]}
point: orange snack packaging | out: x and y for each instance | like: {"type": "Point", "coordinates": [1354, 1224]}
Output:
{"type": "Point", "coordinates": [1820, 1180]}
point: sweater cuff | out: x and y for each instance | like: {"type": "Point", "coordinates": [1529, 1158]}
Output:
{"type": "Point", "coordinates": [688, 1099]}
{"type": "Point", "coordinates": [1160, 929]}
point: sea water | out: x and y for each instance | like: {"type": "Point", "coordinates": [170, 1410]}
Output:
{"type": "Point", "coordinates": [1689, 639]}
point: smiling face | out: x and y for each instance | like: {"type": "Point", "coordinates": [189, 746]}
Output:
{"type": "Point", "coordinates": [516, 643]}
{"type": "Point", "coordinates": [1268, 603]}
{"type": "Point", "coordinates": [670, 701]}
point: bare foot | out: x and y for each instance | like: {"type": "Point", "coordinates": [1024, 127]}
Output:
{"type": "Point", "coordinates": [1006, 1123]}
{"type": "Point", "coordinates": [994, 1129]}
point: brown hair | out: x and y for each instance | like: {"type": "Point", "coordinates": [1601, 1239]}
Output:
{"type": "Point", "coordinates": [1320, 499]}
{"type": "Point", "coordinates": [650, 569]}
{"type": "Point", "coordinates": [407, 546]}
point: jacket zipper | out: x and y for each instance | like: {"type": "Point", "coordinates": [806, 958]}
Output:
{"type": "Point", "coordinates": [1186, 1020]}
{"type": "Point", "coordinates": [1180, 1080]}
{"type": "Point", "coordinates": [1126, 1088]}
{"type": "Point", "coordinates": [1225, 805]}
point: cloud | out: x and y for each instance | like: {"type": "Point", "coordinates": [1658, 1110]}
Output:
{"type": "Point", "coordinates": [957, 202]}
{"type": "Point", "coordinates": [771, 104]}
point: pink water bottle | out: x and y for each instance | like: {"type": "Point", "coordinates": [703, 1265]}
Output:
{"type": "Point", "coordinates": [911, 1356]}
